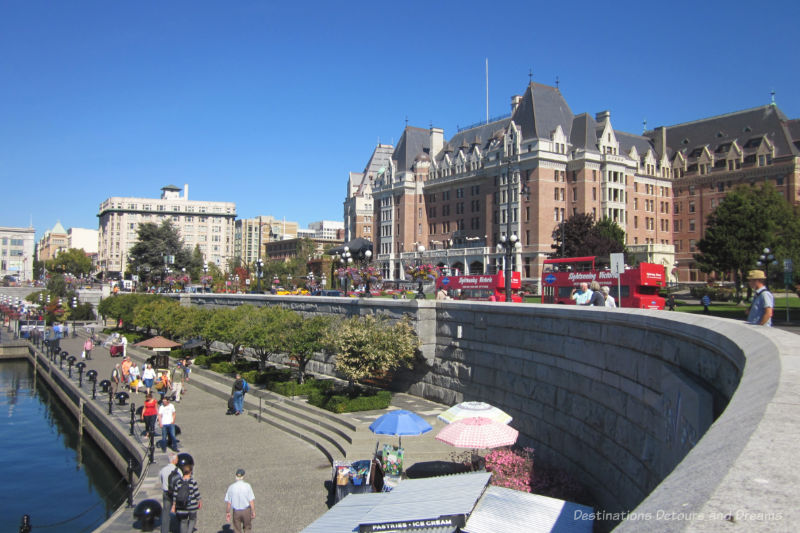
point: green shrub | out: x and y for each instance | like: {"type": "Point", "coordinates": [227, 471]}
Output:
{"type": "Point", "coordinates": [208, 360]}
{"type": "Point", "coordinates": [292, 388]}
{"type": "Point", "coordinates": [350, 402]}
{"type": "Point", "coordinates": [718, 294]}
{"type": "Point", "coordinates": [224, 367]}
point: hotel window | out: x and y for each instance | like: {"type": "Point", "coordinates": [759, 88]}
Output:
{"type": "Point", "coordinates": [691, 225]}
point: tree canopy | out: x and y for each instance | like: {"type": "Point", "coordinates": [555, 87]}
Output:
{"type": "Point", "coordinates": [748, 220]}
{"type": "Point", "coordinates": [146, 257]}
{"type": "Point", "coordinates": [73, 261]}
{"type": "Point", "coordinates": [583, 236]}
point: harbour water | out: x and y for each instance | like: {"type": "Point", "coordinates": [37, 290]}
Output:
{"type": "Point", "coordinates": [48, 471]}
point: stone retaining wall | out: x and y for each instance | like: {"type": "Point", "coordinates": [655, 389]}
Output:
{"type": "Point", "coordinates": [655, 412]}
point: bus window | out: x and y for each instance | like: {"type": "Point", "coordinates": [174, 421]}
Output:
{"type": "Point", "coordinates": [565, 292]}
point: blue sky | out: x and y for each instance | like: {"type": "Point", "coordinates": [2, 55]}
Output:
{"type": "Point", "coordinates": [270, 106]}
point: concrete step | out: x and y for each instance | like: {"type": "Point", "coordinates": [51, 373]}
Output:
{"type": "Point", "coordinates": [283, 415]}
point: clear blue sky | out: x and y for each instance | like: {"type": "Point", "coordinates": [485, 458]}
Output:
{"type": "Point", "coordinates": [270, 106]}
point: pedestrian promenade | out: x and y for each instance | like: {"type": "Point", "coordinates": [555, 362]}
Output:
{"type": "Point", "coordinates": [290, 477]}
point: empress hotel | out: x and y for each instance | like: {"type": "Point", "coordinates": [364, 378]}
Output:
{"type": "Point", "coordinates": [448, 201]}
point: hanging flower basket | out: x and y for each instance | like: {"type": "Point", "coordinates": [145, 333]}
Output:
{"type": "Point", "coordinates": [427, 272]}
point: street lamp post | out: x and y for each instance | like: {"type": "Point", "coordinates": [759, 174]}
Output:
{"type": "Point", "coordinates": [205, 276]}
{"type": "Point", "coordinates": [324, 280]}
{"type": "Point", "coordinates": [508, 246]}
{"type": "Point", "coordinates": [420, 292]}
{"type": "Point", "coordinates": [310, 282]}
{"type": "Point", "coordinates": [766, 259]}
{"type": "Point", "coordinates": [259, 270]}
{"type": "Point", "coordinates": [346, 259]}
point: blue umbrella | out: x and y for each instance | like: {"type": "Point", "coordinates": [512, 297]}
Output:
{"type": "Point", "coordinates": [400, 422]}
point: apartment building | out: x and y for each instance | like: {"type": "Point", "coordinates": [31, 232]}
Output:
{"type": "Point", "coordinates": [83, 239]}
{"type": "Point", "coordinates": [450, 201]}
{"type": "Point", "coordinates": [16, 252]}
{"type": "Point", "coordinates": [52, 242]}
{"type": "Point", "coordinates": [207, 224]}
{"type": "Point", "coordinates": [251, 236]}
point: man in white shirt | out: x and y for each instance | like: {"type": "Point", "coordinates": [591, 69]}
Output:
{"type": "Point", "coordinates": [166, 500]}
{"type": "Point", "coordinates": [124, 346]}
{"type": "Point", "coordinates": [582, 295]}
{"type": "Point", "coordinates": [166, 421]}
{"type": "Point", "coordinates": [240, 504]}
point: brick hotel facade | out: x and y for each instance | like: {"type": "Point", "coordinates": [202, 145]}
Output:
{"type": "Point", "coordinates": [526, 173]}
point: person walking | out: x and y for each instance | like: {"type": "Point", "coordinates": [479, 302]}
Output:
{"type": "Point", "coordinates": [186, 500]}
{"type": "Point", "coordinates": [166, 495]}
{"type": "Point", "coordinates": [240, 387]}
{"type": "Point", "coordinates": [610, 302]}
{"type": "Point", "coordinates": [763, 306]}
{"type": "Point", "coordinates": [124, 346]}
{"type": "Point", "coordinates": [149, 414]}
{"type": "Point", "coordinates": [135, 377]}
{"type": "Point", "coordinates": [148, 377]}
{"type": "Point", "coordinates": [163, 386]}
{"type": "Point", "coordinates": [87, 348]}
{"type": "Point", "coordinates": [671, 302]}
{"type": "Point", "coordinates": [116, 378]}
{"type": "Point", "coordinates": [240, 504]}
{"type": "Point", "coordinates": [706, 301]}
{"type": "Point", "coordinates": [126, 370]}
{"type": "Point", "coordinates": [166, 421]}
{"type": "Point", "coordinates": [177, 382]}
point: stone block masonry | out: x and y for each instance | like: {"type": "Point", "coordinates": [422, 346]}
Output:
{"type": "Point", "coordinates": [656, 413]}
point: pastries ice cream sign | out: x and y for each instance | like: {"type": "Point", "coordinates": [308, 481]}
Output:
{"type": "Point", "coordinates": [410, 525]}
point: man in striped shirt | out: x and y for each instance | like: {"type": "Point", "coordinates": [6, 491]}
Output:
{"type": "Point", "coordinates": [185, 509]}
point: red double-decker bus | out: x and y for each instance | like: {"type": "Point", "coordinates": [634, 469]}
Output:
{"type": "Point", "coordinates": [640, 285]}
{"type": "Point", "coordinates": [481, 287]}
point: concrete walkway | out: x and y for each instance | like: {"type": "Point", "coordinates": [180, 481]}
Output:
{"type": "Point", "coordinates": [288, 475]}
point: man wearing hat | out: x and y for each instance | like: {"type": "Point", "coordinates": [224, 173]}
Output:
{"type": "Point", "coordinates": [240, 504]}
{"type": "Point", "coordinates": [761, 309]}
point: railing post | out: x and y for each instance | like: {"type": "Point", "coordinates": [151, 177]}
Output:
{"type": "Point", "coordinates": [133, 416]}
{"type": "Point", "coordinates": [110, 400]}
{"type": "Point", "coordinates": [94, 389]}
{"type": "Point", "coordinates": [152, 447]}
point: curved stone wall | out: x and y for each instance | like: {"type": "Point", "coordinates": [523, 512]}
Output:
{"type": "Point", "coordinates": [682, 420]}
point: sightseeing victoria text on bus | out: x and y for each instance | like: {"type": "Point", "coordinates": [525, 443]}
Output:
{"type": "Point", "coordinates": [481, 287]}
{"type": "Point", "coordinates": [640, 285]}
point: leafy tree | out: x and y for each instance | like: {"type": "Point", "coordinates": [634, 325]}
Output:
{"type": "Point", "coordinates": [268, 329]}
{"type": "Point", "coordinates": [230, 326]}
{"type": "Point", "coordinates": [197, 262]}
{"type": "Point", "coordinates": [304, 338]}
{"type": "Point", "coordinates": [580, 236]}
{"type": "Point", "coordinates": [146, 257]}
{"type": "Point", "coordinates": [73, 261]}
{"type": "Point", "coordinates": [368, 346]}
{"type": "Point", "coordinates": [121, 307]}
{"type": "Point", "coordinates": [57, 285]}
{"type": "Point", "coordinates": [159, 314]}
{"type": "Point", "coordinates": [83, 311]}
{"type": "Point", "coordinates": [748, 220]}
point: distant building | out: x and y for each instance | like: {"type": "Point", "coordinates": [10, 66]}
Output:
{"type": "Point", "coordinates": [327, 230]}
{"type": "Point", "coordinates": [252, 234]}
{"type": "Point", "coordinates": [16, 252]}
{"type": "Point", "coordinates": [526, 173]}
{"type": "Point", "coordinates": [207, 224]}
{"type": "Point", "coordinates": [288, 249]}
{"type": "Point", "coordinates": [83, 239]}
{"type": "Point", "coordinates": [358, 205]}
{"type": "Point", "coordinates": [52, 242]}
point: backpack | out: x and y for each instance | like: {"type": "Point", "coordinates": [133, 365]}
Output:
{"type": "Point", "coordinates": [182, 494]}
{"type": "Point", "coordinates": [239, 384]}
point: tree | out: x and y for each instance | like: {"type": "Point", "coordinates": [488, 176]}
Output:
{"type": "Point", "coordinates": [73, 261]}
{"type": "Point", "coordinates": [580, 236]}
{"type": "Point", "coordinates": [369, 346]}
{"type": "Point", "coordinates": [230, 326]}
{"type": "Point", "coordinates": [267, 331]}
{"type": "Point", "coordinates": [748, 220]}
{"type": "Point", "coordinates": [146, 257]}
{"type": "Point", "coordinates": [306, 336]}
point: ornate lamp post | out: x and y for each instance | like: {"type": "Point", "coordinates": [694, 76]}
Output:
{"type": "Point", "coordinates": [508, 246]}
{"type": "Point", "coordinates": [310, 281]}
{"type": "Point", "coordinates": [346, 259]}
{"type": "Point", "coordinates": [205, 276]}
{"type": "Point", "coordinates": [765, 260]}
{"type": "Point", "coordinates": [259, 273]}
{"type": "Point", "coordinates": [324, 280]}
{"type": "Point", "coordinates": [420, 292]}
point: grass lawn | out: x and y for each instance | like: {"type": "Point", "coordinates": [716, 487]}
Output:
{"type": "Point", "coordinates": [739, 312]}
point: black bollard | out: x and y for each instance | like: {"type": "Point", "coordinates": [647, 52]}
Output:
{"type": "Point", "coordinates": [80, 378]}
{"type": "Point", "coordinates": [133, 416]}
{"type": "Point", "coordinates": [146, 512]}
{"type": "Point", "coordinates": [25, 525]}
{"type": "Point", "coordinates": [130, 482]}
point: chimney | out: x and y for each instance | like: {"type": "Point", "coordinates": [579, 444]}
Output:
{"type": "Point", "coordinates": [602, 116]}
{"type": "Point", "coordinates": [437, 141]}
{"type": "Point", "coordinates": [660, 140]}
{"type": "Point", "coordinates": [185, 191]}
{"type": "Point", "coordinates": [515, 100]}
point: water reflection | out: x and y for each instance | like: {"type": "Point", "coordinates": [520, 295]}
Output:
{"type": "Point", "coordinates": [49, 470]}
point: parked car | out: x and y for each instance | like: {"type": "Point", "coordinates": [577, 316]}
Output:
{"type": "Point", "coordinates": [320, 292]}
